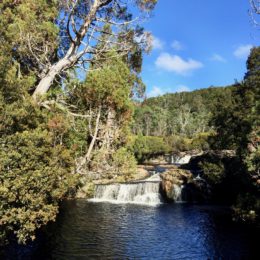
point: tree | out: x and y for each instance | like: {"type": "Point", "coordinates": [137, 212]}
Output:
{"type": "Point", "coordinates": [42, 44]}
{"type": "Point", "coordinates": [84, 22]}
{"type": "Point", "coordinates": [106, 93]}
{"type": "Point", "coordinates": [25, 26]}
{"type": "Point", "coordinates": [35, 168]}
{"type": "Point", "coordinates": [238, 125]}
{"type": "Point", "coordinates": [251, 107]}
{"type": "Point", "coordinates": [186, 114]}
{"type": "Point", "coordinates": [255, 10]}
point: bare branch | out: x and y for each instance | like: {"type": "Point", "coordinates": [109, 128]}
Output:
{"type": "Point", "coordinates": [255, 10]}
{"type": "Point", "coordinates": [84, 31]}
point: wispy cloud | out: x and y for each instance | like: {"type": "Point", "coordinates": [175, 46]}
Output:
{"type": "Point", "coordinates": [176, 45]}
{"type": "Point", "coordinates": [182, 88]}
{"type": "Point", "coordinates": [175, 63]}
{"type": "Point", "coordinates": [159, 91]}
{"type": "Point", "coordinates": [217, 57]}
{"type": "Point", "coordinates": [157, 43]}
{"type": "Point", "coordinates": [156, 91]}
{"type": "Point", "coordinates": [242, 51]}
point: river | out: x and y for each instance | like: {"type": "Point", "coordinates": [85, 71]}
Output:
{"type": "Point", "coordinates": [87, 230]}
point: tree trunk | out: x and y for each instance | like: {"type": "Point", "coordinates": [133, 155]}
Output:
{"type": "Point", "coordinates": [86, 158]}
{"type": "Point", "coordinates": [72, 54]}
{"type": "Point", "coordinates": [110, 130]}
{"type": "Point", "coordinates": [45, 83]}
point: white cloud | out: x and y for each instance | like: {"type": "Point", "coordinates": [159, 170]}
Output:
{"type": "Point", "coordinates": [175, 63]}
{"type": "Point", "coordinates": [156, 91]}
{"type": "Point", "coordinates": [242, 51]}
{"type": "Point", "coordinates": [182, 88]}
{"type": "Point", "coordinates": [176, 45]}
{"type": "Point", "coordinates": [217, 57]}
{"type": "Point", "coordinates": [157, 43]}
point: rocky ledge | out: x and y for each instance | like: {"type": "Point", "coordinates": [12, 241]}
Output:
{"type": "Point", "coordinates": [182, 186]}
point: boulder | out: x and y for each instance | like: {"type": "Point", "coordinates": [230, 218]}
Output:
{"type": "Point", "coordinates": [171, 179]}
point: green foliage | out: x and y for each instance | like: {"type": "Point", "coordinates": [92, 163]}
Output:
{"type": "Point", "coordinates": [201, 141]}
{"type": "Point", "coordinates": [252, 161]}
{"type": "Point", "coordinates": [124, 164]}
{"type": "Point", "coordinates": [35, 172]}
{"type": "Point", "coordinates": [35, 161]}
{"type": "Point", "coordinates": [178, 143]}
{"type": "Point", "coordinates": [184, 114]}
{"type": "Point", "coordinates": [27, 30]}
{"type": "Point", "coordinates": [146, 146]}
{"type": "Point", "coordinates": [237, 125]}
{"type": "Point", "coordinates": [247, 208]}
{"type": "Point", "coordinates": [214, 172]}
{"type": "Point", "coordinates": [110, 86]}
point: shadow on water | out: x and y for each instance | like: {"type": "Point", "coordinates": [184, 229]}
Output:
{"type": "Point", "coordinates": [87, 230]}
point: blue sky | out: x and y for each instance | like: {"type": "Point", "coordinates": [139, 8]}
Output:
{"type": "Point", "coordinates": [197, 44]}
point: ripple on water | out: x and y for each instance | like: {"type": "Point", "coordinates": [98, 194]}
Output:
{"type": "Point", "coordinates": [87, 230]}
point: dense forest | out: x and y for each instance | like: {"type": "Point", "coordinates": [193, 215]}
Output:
{"type": "Point", "coordinates": [184, 114]}
{"type": "Point", "coordinates": [70, 91]}
{"type": "Point", "coordinates": [179, 122]}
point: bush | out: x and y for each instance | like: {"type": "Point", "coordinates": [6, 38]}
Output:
{"type": "Point", "coordinates": [247, 208]}
{"type": "Point", "coordinates": [35, 172]}
{"type": "Point", "coordinates": [145, 147]}
{"type": "Point", "coordinates": [201, 141]}
{"type": "Point", "coordinates": [214, 172]}
{"type": "Point", "coordinates": [124, 164]}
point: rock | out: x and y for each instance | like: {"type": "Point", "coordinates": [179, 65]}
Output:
{"type": "Point", "coordinates": [180, 185]}
{"type": "Point", "coordinates": [181, 158]}
{"type": "Point", "coordinates": [171, 179]}
{"type": "Point", "coordinates": [142, 173]}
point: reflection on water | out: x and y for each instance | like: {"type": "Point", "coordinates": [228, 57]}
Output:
{"type": "Point", "coordinates": [87, 230]}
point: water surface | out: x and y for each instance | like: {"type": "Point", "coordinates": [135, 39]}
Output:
{"type": "Point", "coordinates": [86, 230]}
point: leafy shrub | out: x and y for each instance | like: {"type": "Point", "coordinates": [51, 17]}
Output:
{"type": "Point", "coordinates": [213, 171]}
{"type": "Point", "coordinates": [34, 177]}
{"type": "Point", "coordinates": [145, 147]}
{"type": "Point", "coordinates": [201, 141]}
{"type": "Point", "coordinates": [246, 208]}
{"type": "Point", "coordinates": [124, 163]}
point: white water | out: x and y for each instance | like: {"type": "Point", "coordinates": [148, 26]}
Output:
{"type": "Point", "coordinates": [146, 192]}
{"type": "Point", "coordinates": [177, 193]}
{"type": "Point", "coordinates": [155, 177]}
{"type": "Point", "coordinates": [180, 160]}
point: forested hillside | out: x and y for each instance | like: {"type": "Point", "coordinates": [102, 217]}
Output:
{"type": "Point", "coordinates": [185, 113]}
{"type": "Point", "coordinates": [179, 121]}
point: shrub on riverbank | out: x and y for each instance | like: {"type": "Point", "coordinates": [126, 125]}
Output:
{"type": "Point", "coordinates": [36, 171]}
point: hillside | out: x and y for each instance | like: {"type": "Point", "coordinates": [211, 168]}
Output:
{"type": "Point", "coordinates": [185, 114]}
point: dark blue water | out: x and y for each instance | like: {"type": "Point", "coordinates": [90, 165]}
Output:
{"type": "Point", "coordinates": [172, 231]}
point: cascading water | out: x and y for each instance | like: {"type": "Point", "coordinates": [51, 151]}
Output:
{"type": "Point", "coordinates": [177, 193]}
{"type": "Point", "coordinates": [144, 192]}
{"type": "Point", "coordinates": [174, 159]}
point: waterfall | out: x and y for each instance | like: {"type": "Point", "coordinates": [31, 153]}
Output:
{"type": "Point", "coordinates": [175, 159]}
{"type": "Point", "coordinates": [145, 192]}
{"type": "Point", "coordinates": [177, 193]}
